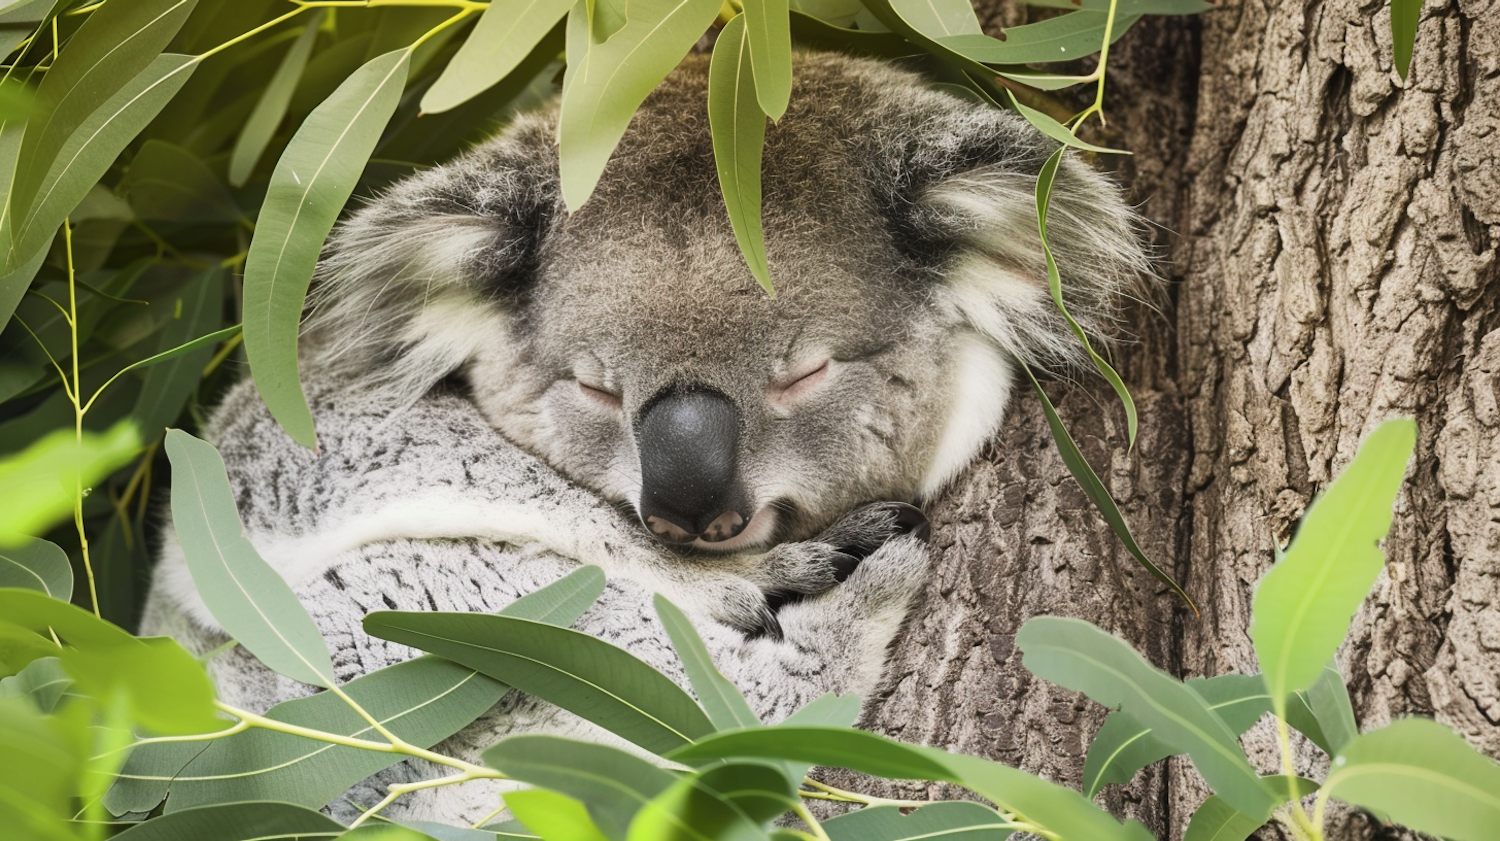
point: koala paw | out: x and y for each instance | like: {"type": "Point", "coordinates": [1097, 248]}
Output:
{"type": "Point", "coordinates": [797, 570]}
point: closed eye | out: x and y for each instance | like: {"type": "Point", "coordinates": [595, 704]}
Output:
{"type": "Point", "coordinates": [801, 383]}
{"type": "Point", "coordinates": [598, 393]}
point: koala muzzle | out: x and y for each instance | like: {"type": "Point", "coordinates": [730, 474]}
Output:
{"type": "Point", "coordinates": [688, 441]}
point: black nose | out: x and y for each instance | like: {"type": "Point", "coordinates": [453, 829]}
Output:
{"type": "Point", "coordinates": [688, 441]}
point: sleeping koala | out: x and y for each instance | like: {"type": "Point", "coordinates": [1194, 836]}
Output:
{"type": "Point", "coordinates": [504, 390]}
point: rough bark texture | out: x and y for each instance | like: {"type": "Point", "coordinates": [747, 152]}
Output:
{"type": "Point", "coordinates": [1334, 264]}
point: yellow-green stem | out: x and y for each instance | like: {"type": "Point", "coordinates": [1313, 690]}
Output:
{"type": "Point", "coordinates": [812, 823]}
{"type": "Point", "coordinates": [1098, 105]}
{"type": "Point", "coordinates": [79, 410]}
{"type": "Point", "coordinates": [1289, 769]}
{"type": "Point", "coordinates": [828, 792]}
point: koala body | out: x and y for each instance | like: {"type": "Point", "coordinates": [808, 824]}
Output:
{"type": "Point", "coordinates": [500, 385]}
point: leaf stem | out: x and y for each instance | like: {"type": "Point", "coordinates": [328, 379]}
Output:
{"type": "Point", "coordinates": [1098, 106]}
{"type": "Point", "coordinates": [1300, 821]}
{"type": "Point", "coordinates": [802, 812]}
{"type": "Point", "coordinates": [828, 792]}
{"type": "Point", "coordinates": [79, 410]}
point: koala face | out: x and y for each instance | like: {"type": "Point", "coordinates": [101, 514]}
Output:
{"type": "Point", "coordinates": [629, 347]}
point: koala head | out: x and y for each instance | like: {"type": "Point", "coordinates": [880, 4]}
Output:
{"type": "Point", "coordinates": [628, 345]}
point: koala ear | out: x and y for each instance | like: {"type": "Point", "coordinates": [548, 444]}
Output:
{"type": "Point", "coordinates": [411, 284]}
{"type": "Point", "coordinates": [969, 212]}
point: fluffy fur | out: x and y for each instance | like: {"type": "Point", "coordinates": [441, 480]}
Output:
{"type": "Point", "coordinates": [479, 361]}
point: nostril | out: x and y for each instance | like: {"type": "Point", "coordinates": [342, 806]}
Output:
{"type": "Point", "coordinates": [668, 531]}
{"type": "Point", "coordinates": [726, 525]}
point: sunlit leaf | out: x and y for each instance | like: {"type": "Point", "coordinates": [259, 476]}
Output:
{"type": "Point", "coordinates": [552, 816]}
{"type": "Point", "coordinates": [613, 784]}
{"type": "Point", "coordinates": [271, 108]}
{"type": "Point", "coordinates": [1328, 700]}
{"type": "Point", "coordinates": [38, 775]}
{"type": "Point", "coordinates": [1420, 774]}
{"type": "Point", "coordinates": [237, 822]}
{"type": "Point", "coordinates": [249, 599]}
{"type": "Point", "coordinates": [1303, 606]}
{"type": "Point", "coordinates": [308, 189]}
{"type": "Point", "coordinates": [1129, 8]}
{"type": "Point", "coordinates": [1062, 38]}
{"type": "Point", "coordinates": [37, 565]}
{"type": "Point", "coordinates": [38, 485]}
{"type": "Point", "coordinates": [505, 35]}
{"type": "Point", "coordinates": [690, 811]}
{"type": "Point", "coordinates": [953, 821]}
{"type": "Point", "coordinates": [739, 131]}
{"type": "Point", "coordinates": [768, 39]}
{"type": "Point", "coordinates": [1404, 17]}
{"type": "Point", "coordinates": [762, 791]}
{"type": "Point", "coordinates": [939, 18]}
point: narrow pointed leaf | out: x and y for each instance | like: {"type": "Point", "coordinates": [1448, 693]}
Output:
{"type": "Point", "coordinates": [1418, 773]}
{"type": "Point", "coordinates": [613, 784]}
{"type": "Point", "coordinates": [44, 681]}
{"type": "Point", "coordinates": [738, 125]}
{"type": "Point", "coordinates": [1328, 699]}
{"type": "Point", "coordinates": [611, 81]}
{"type": "Point", "coordinates": [552, 816]}
{"type": "Point", "coordinates": [1062, 38]}
{"type": "Point", "coordinates": [1404, 17]}
{"type": "Point", "coordinates": [761, 791]}
{"type": "Point", "coordinates": [768, 33]}
{"type": "Point", "coordinates": [826, 710]}
{"type": "Point", "coordinates": [1216, 820]}
{"type": "Point", "coordinates": [1303, 606]}
{"type": "Point", "coordinates": [169, 182]}
{"type": "Point", "coordinates": [726, 707]}
{"type": "Point", "coordinates": [237, 822]}
{"type": "Point", "coordinates": [580, 673]}
{"type": "Point", "coordinates": [951, 821]}
{"type": "Point", "coordinates": [172, 379]}
{"type": "Point", "coordinates": [1129, 7]}
{"type": "Point", "coordinates": [939, 18]}
{"type": "Point", "coordinates": [19, 20]}
{"type": "Point", "coordinates": [249, 599]}
{"type": "Point", "coordinates": [311, 183]}
{"type": "Point", "coordinates": [690, 811]}
{"type": "Point", "coordinates": [38, 565]}
{"type": "Point", "coordinates": [271, 108]}
{"type": "Point", "coordinates": [1079, 656]}
{"type": "Point", "coordinates": [39, 774]}
{"type": "Point", "coordinates": [505, 35]}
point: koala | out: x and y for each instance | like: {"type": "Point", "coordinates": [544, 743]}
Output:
{"type": "Point", "coordinates": [505, 390]}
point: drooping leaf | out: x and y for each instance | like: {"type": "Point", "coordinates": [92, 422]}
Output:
{"type": "Point", "coordinates": [762, 791]}
{"type": "Point", "coordinates": [166, 181]}
{"type": "Point", "coordinates": [1404, 17]}
{"type": "Point", "coordinates": [271, 108]}
{"type": "Point", "coordinates": [167, 385]}
{"type": "Point", "coordinates": [580, 673]}
{"type": "Point", "coordinates": [1062, 38]}
{"type": "Point", "coordinates": [1124, 746]}
{"type": "Point", "coordinates": [38, 485]}
{"type": "Point", "coordinates": [253, 821]}
{"type": "Point", "coordinates": [38, 775]}
{"type": "Point", "coordinates": [1422, 775]}
{"type": "Point", "coordinates": [613, 784]}
{"type": "Point", "coordinates": [1216, 820]}
{"type": "Point", "coordinates": [44, 681]}
{"type": "Point", "coordinates": [422, 701]}
{"type": "Point", "coordinates": [552, 816]}
{"type": "Point", "coordinates": [38, 565]}
{"type": "Point", "coordinates": [502, 39]}
{"type": "Point", "coordinates": [738, 125]}
{"type": "Point", "coordinates": [1129, 8]}
{"type": "Point", "coordinates": [1079, 656]}
{"type": "Point", "coordinates": [249, 599]}
{"type": "Point", "coordinates": [20, 19]}
{"type": "Point", "coordinates": [308, 189]}
{"type": "Point", "coordinates": [768, 39]}
{"type": "Point", "coordinates": [613, 78]}
{"type": "Point", "coordinates": [939, 18]}
{"type": "Point", "coordinates": [1303, 606]}
{"type": "Point", "coordinates": [949, 821]}
{"type": "Point", "coordinates": [92, 148]}
{"type": "Point", "coordinates": [690, 811]}
{"type": "Point", "coordinates": [1328, 700]}
{"type": "Point", "coordinates": [726, 707]}
{"type": "Point", "coordinates": [820, 33]}
{"type": "Point", "coordinates": [167, 689]}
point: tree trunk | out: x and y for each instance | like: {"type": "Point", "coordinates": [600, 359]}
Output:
{"type": "Point", "coordinates": [1333, 266]}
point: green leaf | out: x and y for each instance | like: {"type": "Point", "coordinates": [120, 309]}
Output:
{"type": "Point", "coordinates": [826, 710]}
{"type": "Point", "coordinates": [1418, 773]}
{"type": "Point", "coordinates": [38, 776]}
{"type": "Point", "coordinates": [38, 485]}
{"type": "Point", "coordinates": [939, 18]}
{"type": "Point", "coordinates": [88, 152]}
{"type": "Point", "coordinates": [690, 811]}
{"type": "Point", "coordinates": [1094, 489]}
{"type": "Point", "coordinates": [312, 181]}
{"type": "Point", "coordinates": [1063, 38]}
{"type": "Point", "coordinates": [762, 791]}
{"type": "Point", "coordinates": [768, 36]}
{"type": "Point", "coordinates": [19, 20]}
{"type": "Point", "coordinates": [552, 816]}
{"type": "Point", "coordinates": [271, 108]}
{"type": "Point", "coordinates": [613, 784]}
{"type": "Point", "coordinates": [38, 565]}
{"type": "Point", "coordinates": [1303, 606]}
{"type": "Point", "coordinates": [580, 673]}
{"type": "Point", "coordinates": [1328, 701]}
{"type": "Point", "coordinates": [814, 32]}
{"type": "Point", "coordinates": [1065, 813]}
{"type": "Point", "coordinates": [947, 821]}
{"type": "Point", "coordinates": [1129, 8]}
{"type": "Point", "coordinates": [250, 600]}
{"type": "Point", "coordinates": [1404, 17]}
{"type": "Point", "coordinates": [15, 282]}
{"type": "Point", "coordinates": [113, 48]}
{"type": "Point", "coordinates": [1300, 716]}
{"type": "Point", "coordinates": [738, 126]}
{"type": "Point", "coordinates": [726, 707]}
{"type": "Point", "coordinates": [44, 681]}
{"type": "Point", "coordinates": [1216, 820]}
{"type": "Point", "coordinates": [169, 384]}
{"type": "Point", "coordinates": [237, 822]}
{"type": "Point", "coordinates": [505, 35]}
{"type": "Point", "coordinates": [1079, 656]}
{"type": "Point", "coordinates": [612, 79]}
{"type": "Point", "coordinates": [167, 689]}
{"type": "Point", "coordinates": [1124, 746]}
{"type": "Point", "coordinates": [444, 832]}
{"type": "Point", "coordinates": [169, 182]}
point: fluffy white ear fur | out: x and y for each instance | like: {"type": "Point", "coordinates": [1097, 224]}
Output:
{"type": "Point", "coordinates": [980, 389]}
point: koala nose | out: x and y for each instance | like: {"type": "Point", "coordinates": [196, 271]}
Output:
{"type": "Point", "coordinates": [688, 441]}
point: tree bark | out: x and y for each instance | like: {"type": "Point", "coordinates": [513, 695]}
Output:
{"type": "Point", "coordinates": [1334, 265]}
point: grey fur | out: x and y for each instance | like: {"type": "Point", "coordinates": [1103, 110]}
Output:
{"type": "Point", "coordinates": [902, 237]}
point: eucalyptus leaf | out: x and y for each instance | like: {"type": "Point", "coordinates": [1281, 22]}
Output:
{"type": "Point", "coordinates": [1303, 606]}
{"type": "Point", "coordinates": [311, 183]}
{"type": "Point", "coordinates": [1328, 699]}
{"type": "Point", "coordinates": [1129, 8]}
{"type": "Point", "coordinates": [44, 681]}
{"type": "Point", "coordinates": [939, 18]}
{"type": "Point", "coordinates": [250, 600]}
{"type": "Point", "coordinates": [1404, 17]}
{"type": "Point", "coordinates": [944, 821]}
{"type": "Point", "coordinates": [1420, 774]}
{"type": "Point", "coordinates": [720, 698]}
{"type": "Point", "coordinates": [690, 811]}
{"type": "Point", "coordinates": [272, 106]}
{"type": "Point", "coordinates": [580, 673]}
{"type": "Point", "coordinates": [738, 125]}
{"type": "Point", "coordinates": [165, 181]}
{"type": "Point", "coordinates": [1079, 656]}
{"type": "Point", "coordinates": [768, 39]}
{"type": "Point", "coordinates": [1062, 38]}
{"type": "Point", "coordinates": [38, 775]}
{"type": "Point", "coordinates": [552, 816]}
{"type": "Point", "coordinates": [38, 486]}
{"type": "Point", "coordinates": [613, 784]}
{"type": "Point", "coordinates": [760, 790]}
{"type": "Point", "coordinates": [38, 565]}
{"type": "Point", "coordinates": [1216, 820]}
{"type": "Point", "coordinates": [505, 35]}
{"type": "Point", "coordinates": [169, 384]}
{"type": "Point", "coordinates": [249, 821]}
{"type": "Point", "coordinates": [613, 78]}
{"type": "Point", "coordinates": [20, 19]}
